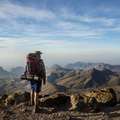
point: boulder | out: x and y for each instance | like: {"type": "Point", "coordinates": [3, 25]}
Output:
{"type": "Point", "coordinates": [57, 101]}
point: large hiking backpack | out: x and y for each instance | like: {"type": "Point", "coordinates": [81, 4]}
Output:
{"type": "Point", "coordinates": [33, 65]}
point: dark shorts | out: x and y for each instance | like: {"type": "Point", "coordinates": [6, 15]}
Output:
{"type": "Point", "coordinates": [36, 86]}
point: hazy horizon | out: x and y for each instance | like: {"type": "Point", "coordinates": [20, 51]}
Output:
{"type": "Point", "coordinates": [65, 31]}
{"type": "Point", "coordinates": [8, 68]}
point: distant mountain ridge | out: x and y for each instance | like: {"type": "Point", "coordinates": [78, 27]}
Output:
{"type": "Point", "coordinates": [99, 66]}
{"type": "Point", "coordinates": [56, 72]}
{"type": "Point", "coordinates": [92, 78]}
{"type": "Point", "coordinates": [4, 73]}
{"type": "Point", "coordinates": [10, 80]}
{"type": "Point", "coordinates": [17, 71]}
{"type": "Point", "coordinates": [14, 72]}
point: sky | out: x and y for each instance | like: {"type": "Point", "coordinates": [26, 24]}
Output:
{"type": "Point", "coordinates": [64, 30]}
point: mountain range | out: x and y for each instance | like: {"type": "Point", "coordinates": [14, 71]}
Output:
{"type": "Point", "coordinates": [55, 72]}
{"type": "Point", "coordinates": [72, 77]}
{"type": "Point", "coordinates": [92, 78]}
{"type": "Point", "coordinates": [99, 66]}
{"type": "Point", "coordinates": [17, 71]}
{"type": "Point", "coordinates": [4, 73]}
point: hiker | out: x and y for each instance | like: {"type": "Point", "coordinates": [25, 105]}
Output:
{"type": "Point", "coordinates": [35, 69]}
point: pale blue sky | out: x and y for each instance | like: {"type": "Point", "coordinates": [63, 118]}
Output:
{"type": "Point", "coordinates": [65, 30]}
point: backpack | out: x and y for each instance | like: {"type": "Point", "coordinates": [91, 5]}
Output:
{"type": "Point", "coordinates": [33, 65]}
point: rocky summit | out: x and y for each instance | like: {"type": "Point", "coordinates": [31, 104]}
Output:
{"type": "Point", "coordinates": [58, 106]}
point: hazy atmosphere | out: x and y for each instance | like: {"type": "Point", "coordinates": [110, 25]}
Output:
{"type": "Point", "coordinates": [65, 31]}
{"type": "Point", "coordinates": [78, 76]}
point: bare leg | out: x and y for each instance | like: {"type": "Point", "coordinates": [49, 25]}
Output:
{"type": "Point", "coordinates": [36, 106]}
{"type": "Point", "coordinates": [32, 98]}
{"type": "Point", "coordinates": [36, 95]}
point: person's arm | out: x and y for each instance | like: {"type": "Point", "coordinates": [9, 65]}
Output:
{"type": "Point", "coordinates": [44, 73]}
{"type": "Point", "coordinates": [25, 70]}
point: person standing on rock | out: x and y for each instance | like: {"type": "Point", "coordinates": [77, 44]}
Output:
{"type": "Point", "coordinates": [36, 73]}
